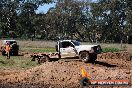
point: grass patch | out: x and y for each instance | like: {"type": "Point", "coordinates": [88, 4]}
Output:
{"type": "Point", "coordinates": [17, 62]}
{"type": "Point", "coordinates": [105, 50]}
{"type": "Point", "coordinates": [21, 62]}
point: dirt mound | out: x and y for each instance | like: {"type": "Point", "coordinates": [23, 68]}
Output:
{"type": "Point", "coordinates": [67, 74]}
{"type": "Point", "coordinates": [124, 55]}
{"type": "Point", "coordinates": [49, 73]}
{"type": "Point", "coordinates": [59, 74]}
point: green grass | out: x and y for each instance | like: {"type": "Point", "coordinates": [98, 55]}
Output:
{"type": "Point", "coordinates": [105, 50]}
{"type": "Point", "coordinates": [21, 62]}
{"type": "Point", "coordinates": [17, 62]}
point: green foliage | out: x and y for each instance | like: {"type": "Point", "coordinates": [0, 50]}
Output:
{"type": "Point", "coordinates": [105, 50]}
{"type": "Point", "coordinates": [103, 21]}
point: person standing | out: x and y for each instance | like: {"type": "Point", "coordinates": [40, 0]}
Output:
{"type": "Point", "coordinates": [7, 49]}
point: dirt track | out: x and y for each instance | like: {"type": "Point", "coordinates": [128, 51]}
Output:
{"type": "Point", "coordinates": [67, 74]}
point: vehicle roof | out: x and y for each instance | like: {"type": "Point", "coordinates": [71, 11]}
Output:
{"type": "Point", "coordinates": [4, 41]}
{"type": "Point", "coordinates": [66, 40]}
{"type": "Point", "coordinates": [9, 40]}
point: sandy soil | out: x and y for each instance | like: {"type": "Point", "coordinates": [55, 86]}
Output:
{"type": "Point", "coordinates": [67, 73]}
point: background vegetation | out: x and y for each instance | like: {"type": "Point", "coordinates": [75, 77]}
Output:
{"type": "Point", "coordinates": [99, 21]}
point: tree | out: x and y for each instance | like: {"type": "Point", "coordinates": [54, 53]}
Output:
{"type": "Point", "coordinates": [8, 16]}
{"type": "Point", "coordinates": [27, 16]}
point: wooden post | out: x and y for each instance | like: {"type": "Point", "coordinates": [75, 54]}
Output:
{"type": "Point", "coordinates": [121, 44]}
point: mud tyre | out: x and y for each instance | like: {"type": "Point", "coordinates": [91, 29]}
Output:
{"type": "Point", "coordinates": [84, 56]}
{"type": "Point", "coordinates": [93, 57]}
{"type": "Point", "coordinates": [44, 59]}
{"type": "Point", "coordinates": [15, 53]}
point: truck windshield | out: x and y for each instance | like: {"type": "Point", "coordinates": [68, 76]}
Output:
{"type": "Point", "coordinates": [76, 43]}
{"type": "Point", "coordinates": [11, 42]}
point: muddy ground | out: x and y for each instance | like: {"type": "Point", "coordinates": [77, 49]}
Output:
{"type": "Point", "coordinates": [67, 73]}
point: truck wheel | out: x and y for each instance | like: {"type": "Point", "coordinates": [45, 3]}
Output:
{"type": "Point", "coordinates": [44, 59]}
{"type": "Point", "coordinates": [15, 53]}
{"type": "Point", "coordinates": [84, 56]}
{"type": "Point", "coordinates": [93, 57]}
{"type": "Point", "coordinates": [47, 58]}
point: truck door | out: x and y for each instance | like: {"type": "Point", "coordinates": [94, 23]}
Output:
{"type": "Point", "coordinates": [67, 49]}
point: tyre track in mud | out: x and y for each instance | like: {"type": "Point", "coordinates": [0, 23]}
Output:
{"type": "Point", "coordinates": [119, 63]}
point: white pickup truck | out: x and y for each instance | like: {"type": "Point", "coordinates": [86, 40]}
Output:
{"type": "Point", "coordinates": [71, 49]}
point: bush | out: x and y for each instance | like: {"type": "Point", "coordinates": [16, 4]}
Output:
{"type": "Point", "coordinates": [105, 50]}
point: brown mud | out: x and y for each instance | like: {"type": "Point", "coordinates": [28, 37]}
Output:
{"type": "Point", "coordinates": [67, 73]}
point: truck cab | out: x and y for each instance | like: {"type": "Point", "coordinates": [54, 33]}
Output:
{"type": "Point", "coordinates": [73, 48]}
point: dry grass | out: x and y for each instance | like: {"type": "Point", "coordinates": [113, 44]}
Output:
{"type": "Point", "coordinates": [45, 44]}
{"type": "Point", "coordinates": [36, 44]}
{"type": "Point", "coordinates": [51, 44]}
